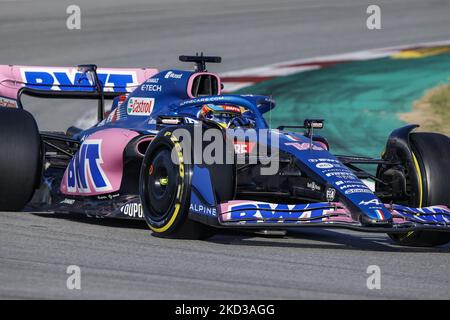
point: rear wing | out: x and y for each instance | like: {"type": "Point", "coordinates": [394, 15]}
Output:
{"type": "Point", "coordinates": [82, 82]}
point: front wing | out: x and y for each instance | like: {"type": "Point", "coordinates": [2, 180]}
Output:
{"type": "Point", "coordinates": [245, 214]}
{"type": "Point", "coordinates": [255, 214]}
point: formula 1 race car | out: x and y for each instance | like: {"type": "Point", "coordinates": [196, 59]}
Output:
{"type": "Point", "coordinates": [176, 152]}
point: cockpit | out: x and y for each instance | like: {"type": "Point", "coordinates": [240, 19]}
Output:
{"type": "Point", "coordinates": [227, 116]}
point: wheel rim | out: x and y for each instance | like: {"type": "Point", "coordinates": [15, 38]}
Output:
{"type": "Point", "coordinates": [162, 180]}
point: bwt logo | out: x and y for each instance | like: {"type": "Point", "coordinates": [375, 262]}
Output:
{"type": "Point", "coordinates": [252, 209]}
{"type": "Point", "coordinates": [85, 170]}
{"type": "Point", "coordinates": [65, 79]}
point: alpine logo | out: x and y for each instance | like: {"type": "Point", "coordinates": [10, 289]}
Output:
{"type": "Point", "coordinates": [199, 208]}
{"type": "Point", "coordinates": [140, 106]}
{"type": "Point", "coordinates": [371, 202]}
{"type": "Point", "coordinates": [85, 173]}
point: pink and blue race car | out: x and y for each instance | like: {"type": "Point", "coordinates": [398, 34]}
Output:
{"type": "Point", "coordinates": [176, 152]}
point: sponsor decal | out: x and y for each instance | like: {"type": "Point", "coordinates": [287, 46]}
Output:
{"type": "Point", "coordinates": [339, 170]}
{"type": "Point", "coordinates": [359, 184]}
{"type": "Point", "coordinates": [151, 87]}
{"type": "Point", "coordinates": [70, 79]}
{"type": "Point", "coordinates": [232, 109]}
{"type": "Point", "coordinates": [324, 165]}
{"type": "Point", "coordinates": [132, 210]}
{"type": "Point", "coordinates": [8, 103]}
{"type": "Point", "coordinates": [292, 138]}
{"type": "Point", "coordinates": [202, 100]}
{"type": "Point", "coordinates": [173, 75]}
{"type": "Point", "coordinates": [114, 116]}
{"type": "Point", "coordinates": [330, 194]}
{"type": "Point", "coordinates": [140, 106]}
{"type": "Point", "coordinates": [322, 160]}
{"type": "Point", "coordinates": [85, 173]}
{"type": "Point", "coordinates": [108, 197]}
{"type": "Point", "coordinates": [68, 201]}
{"type": "Point", "coordinates": [201, 209]}
{"type": "Point", "coordinates": [342, 175]}
{"type": "Point", "coordinates": [152, 80]}
{"type": "Point", "coordinates": [313, 186]}
{"type": "Point", "coordinates": [303, 146]}
{"type": "Point", "coordinates": [243, 147]}
{"type": "Point", "coordinates": [190, 120]}
{"type": "Point", "coordinates": [357, 190]}
{"type": "Point", "coordinates": [122, 99]}
{"type": "Point", "coordinates": [353, 185]}
{"type": "Point", "coordinates": [255, 209]}
{"type": "Point", "coordinates": [170, 120]}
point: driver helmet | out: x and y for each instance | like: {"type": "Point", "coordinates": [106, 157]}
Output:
{"type": "Point", "coordinates": [223, 115]}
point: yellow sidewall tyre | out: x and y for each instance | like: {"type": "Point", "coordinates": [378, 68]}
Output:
{"type": "Point", "coordinates": [165, 188]}
{"type": "Point", "coordinates": [431, 168]}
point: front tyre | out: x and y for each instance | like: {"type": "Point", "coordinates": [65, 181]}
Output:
{"type": "Point", "coordinates": [431, 169]}
{"type": "Point", "coordinates": [165, 191]}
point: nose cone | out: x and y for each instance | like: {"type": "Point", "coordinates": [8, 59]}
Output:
{"type": "Point", "coordinates": [376, 217]}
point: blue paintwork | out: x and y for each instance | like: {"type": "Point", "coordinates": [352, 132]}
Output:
{"type": "Point", "coordinates": [169, 92]}
{"type": "Point", "coordinates": [201, 181]}
{"type": "Point", "coordinates": [203, 200]}
{"type": "Point", "coordinates": [432, 215]}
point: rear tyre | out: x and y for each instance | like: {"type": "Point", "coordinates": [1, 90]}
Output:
{"type": "Point", "coordinates": [20, 158]}
{"type": "Point", "coordinates": [165, 189]}
{"type": "Point", "coordinates": [431, 160]}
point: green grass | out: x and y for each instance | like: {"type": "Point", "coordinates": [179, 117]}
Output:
{"type": "Point", "coordinates": [440, 104]}
{"type": "Point", "coordinates": [432, 111]}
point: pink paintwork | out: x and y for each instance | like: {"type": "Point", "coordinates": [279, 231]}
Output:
{"type": "Point", "coordinates": [12, 77]}
{"type": "Point", "coordinates": [112, 144]}
{"type": "Point", "coordinates": [145, 140]}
